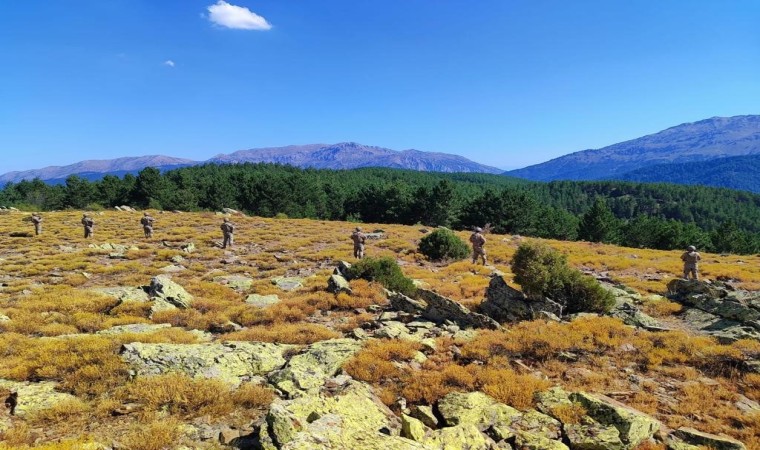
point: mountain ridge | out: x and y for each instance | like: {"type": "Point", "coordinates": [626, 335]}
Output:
{"type": "Point", "coordinates": [344, 155]}
{"type": "Point", "coordinates": [708, 139]}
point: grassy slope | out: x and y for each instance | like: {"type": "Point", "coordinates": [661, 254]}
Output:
{"type": "Point", "coordinates": [678, 370]}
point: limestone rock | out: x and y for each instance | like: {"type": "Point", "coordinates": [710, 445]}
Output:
{"type": "Point", "coordinates": [474, 408]}
{"type": "Point", "coordinates": [591, 435]}
{"type": "Point", "coordinates": [634, 426]}
{"type": "Point", "coordinates": [288, 283]}
{"type": "Point", "coordinates": [307, 371]}
{"type": "Point", "coordinates": [231, 362]}
{"type": "Point", "coordinates": [507, 304]}
{"type": "Point", "coordinates": [718, 299]}
{"type": "Point", "coordinates": [401, 302]}
{"type": "Point", "coordinates": [125, 294]}
{"type": "Point", "coordinates": [425, 415]}
{"type": "Point", "coordinates": [694, 437]}
{"type": "Point", "coordinates": [262, 301]}
{"type": "Point", "coordinates": [440, 309]}
{"type": "Point", "coordinates": [412, 428]}
{"type": "Point", "coordinates": [351, 418]}
{"type": "Point", "coordinates": [34, 397]}
{"type": "Point", "coordinates": [139, 328]}
{"type": "Point", "coordinates": [460, 437]}
{"type": "Point", "coordinates": [528, 441]}
{"type": "Point", "coordinates": [237, 282]}
{"type": "Point", "coordinates": [188, 248]}
{"type": "Point", "coordinates": [163, 288]}
{"type": "Point", "coordinates": [337, 284]}
{"type": "Point", "coordinates": [535, 423]}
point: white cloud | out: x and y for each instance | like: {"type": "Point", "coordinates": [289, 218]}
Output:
{"type": "Point", "coordinates": [237, 17]}
{"type": "Point", "coordinates": [169, 63]}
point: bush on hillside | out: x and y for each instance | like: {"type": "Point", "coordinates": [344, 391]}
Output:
{"type": "Point", "coordinates": [542, 271]}
{"type": "Point", "coordinates": [443, 244]}
{"type": "Point", "coordinates": [385, 271]}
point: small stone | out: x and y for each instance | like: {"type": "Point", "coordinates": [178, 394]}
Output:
{"type": "Point", "coordinates": [412, 428]}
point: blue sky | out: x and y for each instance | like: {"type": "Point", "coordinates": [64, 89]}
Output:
{"type": "Point", "coordinates": [506, 83]}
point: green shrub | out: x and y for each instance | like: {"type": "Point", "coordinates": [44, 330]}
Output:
{"type": "Point", "coordinates": [386, 272]}
{"type": "Point", "coordinates": [443, 244]}
{"type": "Point", "coordinates": [542, 271]}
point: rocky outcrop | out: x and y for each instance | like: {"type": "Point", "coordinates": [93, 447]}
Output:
{"type": "Point", "coordinates": [231, 362]}
{"type": "Point", "coordinates": [138, 328]}
{"type": "Point", "coordinates": [262, 301]}
{"type": "Point", "coordinates": [31, 398]}
{"type": "Point", "coordinates": [718, 309]}
{"type": "Point", "coordinates": [506, 304]}
{"type": "Point", "coordinates": [694, 437]}
{"type": "Point", "coordinates": [288, 283]}
{"type": "Point", "coordinates": [307, 371]}
{"type": "Point", "coordinates": [237, 282]}
{"type": "Point", "coordinates": [163, 290]}
{"type": "Point", "coordinates": [440, 309]}
{"type": "Point", "coordinates": [337, 284]}
{"type": "Point", "coordinates": [626, 309]}
{"type": "Point", "coordinates": [348, 416]}
{"type": "Point", "coordinates": [634, 427]}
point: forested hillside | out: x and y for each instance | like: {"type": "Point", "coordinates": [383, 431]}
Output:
{"type": "Point", "coordinates": [659, 216]}
{"type": "Point", "coordinates": [736, 172]}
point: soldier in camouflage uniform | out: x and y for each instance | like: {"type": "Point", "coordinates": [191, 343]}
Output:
{"type": "Point", "coordinates": [690, 260]}
{"type": "Point", "coordinates": [147, 224]}
{"type": "Point", "coordinates": [478, 241]}
{"type": "Point", "coordinates": [228, 228]}
{"type": "Point", "coordinates": [359, 238]}
{"type": "Point", "coordinates": [88, 224]}
{"type": "Point", "coordinates": [37, 221]}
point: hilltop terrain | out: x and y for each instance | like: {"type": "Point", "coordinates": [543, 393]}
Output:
{"type": "Point", "coordinates": [258, 347]}
{"type": "Point", "coordinates": [705, 140]}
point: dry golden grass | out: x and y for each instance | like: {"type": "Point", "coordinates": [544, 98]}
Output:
{"type": "Point", "coordinates": [48, 294]}
{"type": "Point", "coordinates": [306, 333]}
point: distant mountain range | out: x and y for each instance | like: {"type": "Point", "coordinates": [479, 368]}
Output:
{"type": "Point", "coordinates": [346, 155]}
{"type": "Point", "coordinates": [661, 156]}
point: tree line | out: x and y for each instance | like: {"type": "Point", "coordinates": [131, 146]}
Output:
{"type": "Point", "coordinates": [661, 216]}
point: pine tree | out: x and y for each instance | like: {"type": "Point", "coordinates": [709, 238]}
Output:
{"type": "Point", "coordinates": [598, 224]}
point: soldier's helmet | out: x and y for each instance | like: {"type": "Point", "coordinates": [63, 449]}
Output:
{"type": "Point", "coordinates": [691, 248]}
{"type": "Point", "coordinates": [226, 219]}
{"type": "Point", "coordinates": [478, 229]}
{"type": "Point", "coordinates": [145, 214]}
{"type": "Point", "coordinates": [358, 228]}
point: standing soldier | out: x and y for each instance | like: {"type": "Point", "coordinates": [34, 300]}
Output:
{"type": "Point", "coordinates": [147, 224]}
{"type": "Point", "coordinates": [478, 241]}
{"type": "Point", "coordinates": [88, 224]}
{"type": "Point", "coordinates": [228, 228]}
{"type": "Point", "coordinates": [358, 237]}
{"type": "Point", "coordinates": [37, 221]}
{"type": "Point", "coordinates": [690, 260]}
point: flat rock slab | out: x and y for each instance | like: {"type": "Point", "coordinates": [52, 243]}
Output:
{"type": "Point", "coordinates": [34, 397]}
{"type": "Point", "coordinates": [262, 301]}
{"type": "Point", "coordinates": [237, 282]}
{"type": "Point", "coordinates": [231, 362]}
{"type": "Point", "coordinates": [288, 283]}
{"type": "Point", "coordinates": [139, 328]}
{"type": "Point", "coordinates": [307, 372]}
{"type": "Point", "coordinates": [125, 294]}
{"type": "Point", "coordinates": [694, 437]}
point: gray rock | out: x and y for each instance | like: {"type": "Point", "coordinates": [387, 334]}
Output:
{"type": "Point", "coordinates": [634, 426]}
{"type": "Point", "coordinates": [338, 283]}
{"type": "Point", "coordinates": [507, 304]}
{"type": "Point", "coordinates": [262, 301]}
{"type": "Point", "coordinates": [440, 309]}
{"type": "Point", "coordinates": [230, 362]}
{"type": "Point", "coordinates": [162, 288]}
{"type": "Point", "coordinates": [139, 328]}
{"type": "Point", "coordinates": [694, 437]}
{"type": "Point", "coordinates": [237, 282]}
{"type": "Point", "coordinates": [308, 371]}
{"type": "Point", "coordinates": [288, 283]}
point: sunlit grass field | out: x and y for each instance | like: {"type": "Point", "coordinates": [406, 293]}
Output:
{"type": "Point", "coordinates": [47, 292]}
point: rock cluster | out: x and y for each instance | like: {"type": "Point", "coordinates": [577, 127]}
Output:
{"type": "Point", "coordinates": [718, 309]}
